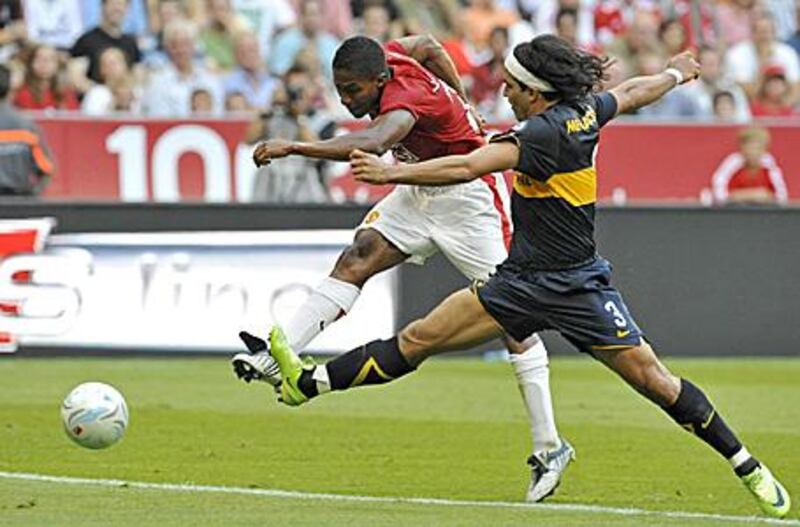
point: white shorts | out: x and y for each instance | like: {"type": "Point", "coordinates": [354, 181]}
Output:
{"type": "Point", "coordinates": [468, 223]}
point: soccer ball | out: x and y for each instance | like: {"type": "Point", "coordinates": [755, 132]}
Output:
{"type": "Point", "coordinates": [94, 415]}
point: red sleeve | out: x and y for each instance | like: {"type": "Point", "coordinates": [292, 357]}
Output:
{"type": "Point", "coordinates": [394, 46]}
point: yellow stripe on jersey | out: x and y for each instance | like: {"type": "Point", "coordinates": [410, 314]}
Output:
{"type": "Point", "coordinates": [577, 188]}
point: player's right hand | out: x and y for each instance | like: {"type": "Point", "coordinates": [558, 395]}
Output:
{"type": "Point", "coordinates": [271, 149]}
{"type": "Point", "coordinates": [687, 64]}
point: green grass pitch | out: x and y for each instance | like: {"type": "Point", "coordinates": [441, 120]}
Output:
{"type": "Point", "coordinates": [455, 430]}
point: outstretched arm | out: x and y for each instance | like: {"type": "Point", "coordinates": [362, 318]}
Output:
{"type": "Point", "coordinates": [448, 170]}
{"type": "Point", "coordinates": [640, 91]}
{"type": "Point", "coordinates": [377, 138]}
{"type": "Point", "coordinates": [433, 57]}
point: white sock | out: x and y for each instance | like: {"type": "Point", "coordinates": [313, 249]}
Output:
{"type": "Point", "coordinates": [533, 378]}
{"type": "Point", "coordinates": [739, 457]}
{"type": "Point", "coordinates": [326, 303]}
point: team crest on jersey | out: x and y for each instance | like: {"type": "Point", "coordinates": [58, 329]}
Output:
{"type": "Point", "coordinates": [372, 217]}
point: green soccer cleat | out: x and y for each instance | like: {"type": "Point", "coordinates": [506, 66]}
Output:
{"type": "Point", "coordinates": [772, 497]}
{"type": "Point", "coordinates": [291, 366]}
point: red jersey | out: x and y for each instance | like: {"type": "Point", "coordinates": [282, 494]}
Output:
{"type": "Point", "coordinates": [443, 123]}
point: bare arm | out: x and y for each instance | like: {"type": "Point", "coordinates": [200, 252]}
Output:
{"type": "Point", "coordinates": [431, 54]}
{"type": "Point", "coordinates": [640, 91]}
{"type": "Point", "coordinates": [448, 170]}
{"type": "Point", "coordinates": [377, 138]}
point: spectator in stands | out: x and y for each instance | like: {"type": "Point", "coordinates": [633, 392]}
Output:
{"type": "Point", "coordinates": [250, 77]}
{"type": "Point", "coordinates": [567, 25]}
{"type": "Point", "coordinates": [135, 21]}
{"type": "Point", "coordinates": [202, 102]}
{"type": "Point", "coordinates": [107, 35]}
{"type": "Point", "coordinates": [12, 29]}
{"type": "Point", "coordinates": [289, 43]}
{"type": "Point", "coordinates": [236, 102]}
{"type": "Point", "coordinates": [162, 13]}
{"type": "Point", "coordinates": [337, 17]}
{"type": "Point", "coordinates": [487, 79]}
{"type": "Point", "coordinates": [746, 60]}
{"type": "Point", "coordinates": [546, 20]}
{"type": "Point", "coordinates": [751, 175]}
{"type": "Point", "coordinates": [437, 17]}
{"type": "Point", "coordinates": [266, 19]}
{"type": "Point", "coordinates": [43, 87]}
{"type": "Point", "coordinates": [56, 24]}
{"type": "Point", "coordinates": [772, 99]}
{"type": "Point", "coordinates": [170, 89]}
{"type": "Point", "coordinates": [292, 179]}
{"type": "Point", "coordinates": [712, 81]}
{"type": "Point", "coordinates": [117, 91]}
{"type": "Point", "coordinates": [725, 107]}
{"type": "Point", "coordinates": [676, 104]}
{"type": "Point", "coordinates": [479, 19]}
{"type": "Point", "coordinates": [794, 40]}
{"type": "Point", "coordinates": [783, 13]}
{"type": "Point", "coordinates": [376, 23]}
{"type": "Point", "coordinates": [736, 20]}
{"type": "Point", "coordinates": [219, 33]}
{"type": "Point", "coordinates": [25, 161]}
{"type": "Point", "coordinates": [641, 37]}
{"type": "Point", "coordinates": [673, 37]}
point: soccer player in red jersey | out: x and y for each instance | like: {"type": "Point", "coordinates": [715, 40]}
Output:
{"type": "Point", "coordinates": [415, 99]}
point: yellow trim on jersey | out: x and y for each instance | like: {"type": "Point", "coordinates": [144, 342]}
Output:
{"type": "Point", "coordinates": [577, 188]}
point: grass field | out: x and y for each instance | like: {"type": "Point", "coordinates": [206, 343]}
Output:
{"type": "Point", "coordinates": [454, 431]}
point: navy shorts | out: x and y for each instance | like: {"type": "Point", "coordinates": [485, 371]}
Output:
{"type": "Point", "coordinates": [579, 303]}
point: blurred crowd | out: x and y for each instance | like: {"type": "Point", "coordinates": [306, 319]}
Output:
{"type": "Point", "coordinates": [194, 58]}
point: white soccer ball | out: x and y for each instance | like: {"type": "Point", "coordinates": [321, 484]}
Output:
{"type": "Point", "coordinates": [94, 415]}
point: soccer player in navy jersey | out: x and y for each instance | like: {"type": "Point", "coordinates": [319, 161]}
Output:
{"type": "Point", "coordinates": [553, 277]}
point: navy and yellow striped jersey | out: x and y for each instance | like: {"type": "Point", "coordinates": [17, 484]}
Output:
{"type": "Point", "coordinates": [555, 184]}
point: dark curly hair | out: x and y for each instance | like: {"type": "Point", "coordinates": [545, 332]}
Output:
{"type": "Point", "coordinates": [572, 72]}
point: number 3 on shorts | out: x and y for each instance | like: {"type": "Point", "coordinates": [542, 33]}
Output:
{"type": "Point", "coordinates": [619, 319]}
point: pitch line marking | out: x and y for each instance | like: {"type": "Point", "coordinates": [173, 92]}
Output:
{"type": "Point", "coordinates": [291, 494]}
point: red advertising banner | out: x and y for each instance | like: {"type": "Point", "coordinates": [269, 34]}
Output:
{"type": "Point", "coordinates": [158, 160]}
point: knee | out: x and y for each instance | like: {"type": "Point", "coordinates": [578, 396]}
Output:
{"type": "Point", "coordinates": [353, 265]}
{"type": "Point", "coordinates": [656, 382]}
{"type": "Point", "coordinates": [516, 347]}
{"type": "Point", "coordinates": [417, 341]}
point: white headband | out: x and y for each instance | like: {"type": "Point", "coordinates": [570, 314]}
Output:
{"type": "Point", "coordinates": [524, 76]}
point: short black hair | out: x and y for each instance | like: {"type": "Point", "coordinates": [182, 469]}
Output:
{"type": "Point", "coordinates": [566, 12]}
{"type": "Point", "coordinates": [5, 81]}
{"type": "Point", "coordinates": [572, 73]}
{"type": "Point", "coordinates": [362, 56]}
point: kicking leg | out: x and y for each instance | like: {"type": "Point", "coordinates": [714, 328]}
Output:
{"type": "Point", "coordinates": [369, 254]}
{"type": "Point", "coordinates": [690, 408]}
{"type": "Point", "coordinates": [459, 322]}
{"type": "Point", "coordinates": [551, 454]}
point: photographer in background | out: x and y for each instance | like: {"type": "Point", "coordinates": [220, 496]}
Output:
{"type": "Point", "coordinates": [25, 161]}
{"type": "Point", "coordinates": [292, 179]}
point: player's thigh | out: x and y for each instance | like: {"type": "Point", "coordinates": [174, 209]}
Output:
{"type": "Point", "coordinates": [458, 322]}
{"type": "Point", "coordinates": [642, 370]}
{"type": "Point", "coordinates": [400, 220]}
{"type": "Point", "coordinates": [472, 230]}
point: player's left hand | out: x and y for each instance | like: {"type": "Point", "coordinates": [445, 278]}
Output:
{"type": "Point", "coordinates": [368, 168]}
